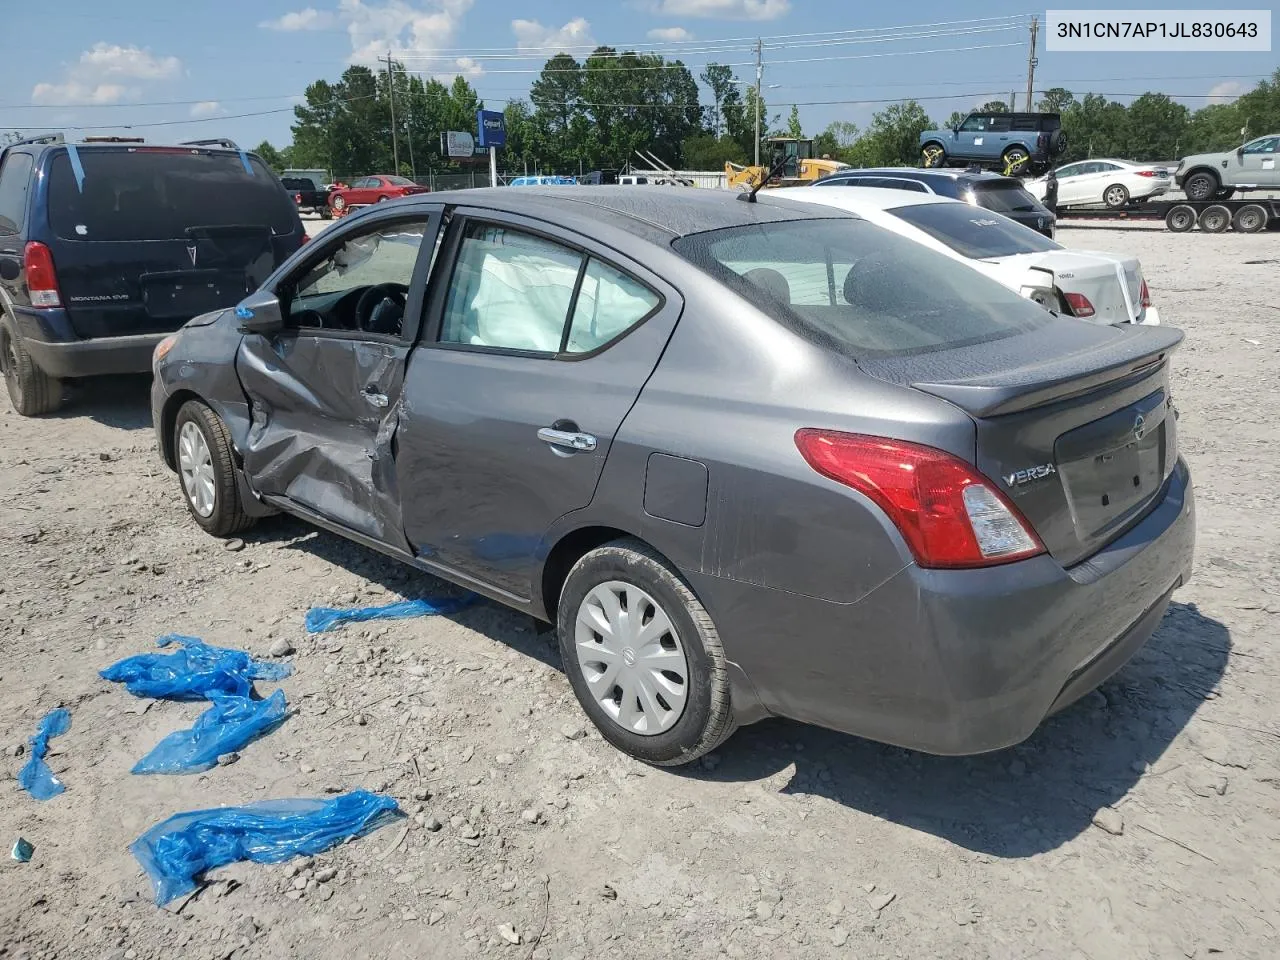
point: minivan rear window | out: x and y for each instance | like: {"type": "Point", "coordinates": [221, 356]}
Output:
{"type": "Point", "coordinates": [860, 289]}
{"type": "Point", "coordinates": [139, 194]}
{"type": "Point", "coordinates": [1005, 196]}
{"type": "Point", "coordinates": [973, 232]}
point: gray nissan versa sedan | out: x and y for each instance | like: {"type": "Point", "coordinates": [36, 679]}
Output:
{"type": "Point", "coordinates": [751, 458]}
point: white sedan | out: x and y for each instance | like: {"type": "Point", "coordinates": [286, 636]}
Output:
{"type": "Point", "coordinates": [1094, 286]}
{"type": "Point", "coordinates": [1114, 183]}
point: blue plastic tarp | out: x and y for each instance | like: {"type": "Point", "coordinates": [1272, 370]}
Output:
{"type": "Point", "coordinates": [175, 852]}
{"type": "Point", "coordinates": [199, 671]}
{"type": "Point", "coordinates": [320, 619]}
{"type": "Point", "coordinates": [35, 776]}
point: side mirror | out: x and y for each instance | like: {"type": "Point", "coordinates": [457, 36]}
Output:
{"type": "Point", "coordinates": [1240, 152]}
{"type": "Point", "coordinates": [260, 313]}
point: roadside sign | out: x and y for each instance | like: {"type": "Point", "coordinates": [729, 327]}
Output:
{"type": "Point", "coordinates": [458, 143]}
{"type": "Point", "coordinates": [491, 128]}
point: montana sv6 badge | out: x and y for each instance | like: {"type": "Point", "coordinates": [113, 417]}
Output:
{"type": "Point", "coordinates": [1026, 476]}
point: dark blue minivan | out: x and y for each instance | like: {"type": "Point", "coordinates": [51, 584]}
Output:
{"type": "Point", "coordinates": [106, 247]}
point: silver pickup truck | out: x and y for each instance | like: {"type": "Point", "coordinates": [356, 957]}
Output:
{"type": "Point", "coordinates": [1215, 176]}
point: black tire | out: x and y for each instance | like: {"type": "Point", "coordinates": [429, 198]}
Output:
{"type": "Point", "coordinates": [227, 516]}
{"type": "Point", "coordinates": [933, 154]}
{"type": "Point", "coordinates": [31, 391]}
{"type": "Point", "coordinates": [1058, 142]}
{"type": "Point", "coordinates": [1201, 185]}
{"type": "Point", "coordinates": [1215, 219]}
{"type": "Point", "coordinates": [707, 719]}
{"type": "Point", "coordinates": [1116, 196]}
{"type": "Point", "coordinates": [326, 213]}
{"type": "Point", "coordinates": [1250, 219]}
{"type": "Point", "coordinates": [1181, 218]}
{"type": "Point", "coordinates": [1016, 160]}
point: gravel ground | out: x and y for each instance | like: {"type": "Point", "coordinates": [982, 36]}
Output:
{"type": "Point", "coordinates": [1141, 823]}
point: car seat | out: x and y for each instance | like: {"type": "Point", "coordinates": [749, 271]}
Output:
{"type": "Point", "coordinates": [771, 282]}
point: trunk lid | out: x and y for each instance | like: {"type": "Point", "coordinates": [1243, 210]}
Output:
{"type": "Point", "coordinates": [1082, 442]}
{"type": "Point", "coordinates": [1113, 285]}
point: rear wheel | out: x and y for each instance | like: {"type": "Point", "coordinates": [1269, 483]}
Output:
{"type": "Point", "coordinates": [339, 204]}
{"type": "Point", "coordinates": [31, 391]}
{"type": "Point", "coordinates": [1250, 219]}
{"type": "Point", "coordinates": [643, 656]}
{"type": "Point", "coordinates": [1181, 218]}
{"type": "Point", "coordinates": [1202, 185]}
{"type": "Point", "coordinates": [1215, 219]}
{"type": "Point", "coordinates": [1015, 161]}
{"type": "Point", "coordinates": [933, 155]}
{"type": "Point", "coordinates": [207, 471]}
{"type": "Point", "coordinates": [1116, 196]}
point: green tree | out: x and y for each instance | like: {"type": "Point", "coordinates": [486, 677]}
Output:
{"type": "Point", "coordinates": [955, 119]}
{"type": "Point", "coordinates": [794, 127]}
{"type": "Point", "coordinates": [1055, 100]}
{"type": "Point", "coordinates": [724, 96]}
{"type": "Point", "coordinates": [994, 106]}
{"type": "Point", "coordinates": [893, 137]}
{"type": "Point", "coordinates": [272, 157]}
{"type": "Point", "coordinates": [1095, 127]}
{"type": "Point", "coordinates": [836, 140]}
{"type": "Point", "coordinates": [1154, 127]}
{"type": "Point", "coordinates": [705, 152]}
{"type": "Point", "coordinates": [559, 117]}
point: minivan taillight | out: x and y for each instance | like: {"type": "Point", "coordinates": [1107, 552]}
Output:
{"type": "Point", "coordinates": [1144, 295]}
{"type": "Point", "coordinates": [1079, 304]}
{"type": "Point", "coordinates": [42, 281]}
{"type": "Point", "coordinates": [950, 514]}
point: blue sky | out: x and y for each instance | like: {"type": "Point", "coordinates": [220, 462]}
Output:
{"type": "Point", "coordinates": [200, 67]}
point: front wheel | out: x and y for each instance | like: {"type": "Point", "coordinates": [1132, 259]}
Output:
{"type": "Point", "coordinates": [1015, 161]}
{"type": "Point", "coordinates": [1201, 186]}
{"type": "Point", "coordinates": [206, 471]}
{"type": "Point", "coordinates": [933, 155]}
{"type": "Point", "coordinates": [339, 204]}
{"type": "Point", "coordinates": [643, 656]}
{"type": "Point", "coordinates": [1116, 196]}
{"type": "Point", "coordinates": [31, 391]}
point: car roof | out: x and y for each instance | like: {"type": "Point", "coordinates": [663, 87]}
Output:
{"type": "Point", "coordinates": [660, 215]}
{"type": "Point", "coordinates": [857, 199]}
{"type": "Point", "coordinates": [924, 176]}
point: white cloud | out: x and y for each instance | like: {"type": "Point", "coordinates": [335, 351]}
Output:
{"type": "Point", "coordinates": [409, 31]}
{"type": "Point", "coordinates": [533, 37]}
{"type": "Point", "coordinates": [102, 75]}
{"type": "Point", "coordinates": [724, 9]}
{"type": "Point", "coordinates": [206, 108]}
{"type": "Point", "coordinates": [1226, 91]}
{"type": "Point", "coordinates": [670, 34]}
{"type": "Point", "coordinates": [307, 19]}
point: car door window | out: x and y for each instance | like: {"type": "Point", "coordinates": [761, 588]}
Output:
{"type": "Point", "coordinates": [974, 124]}
{"type": "Point", "coordinates": [15, 181]}
{"type": "Point", "coordinates": [1070, 170]}
{"type": "Point", "coordinates": [1265, 145]}
{"type": "Point", "coordinates": [999, 124]}
{"type": "Point", "coordinates": [1104, 167]}
{"type": "Point", "coordinates": [609, 304]}
{"type": "Point", "coordinates": [510, 290]}
{"type": "Point", "coordinates": [363, 285]}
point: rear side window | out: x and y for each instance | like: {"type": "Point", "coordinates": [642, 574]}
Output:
{"type": "Point", "coordinates": [974, 233]}
{"type": "Point", "coordinates": [157, 194]}
{"type": "Point", "coordinates": [15, 181]}
{"type": "Point", "coordinates": [1006, 197]}
{"type": "Point", "coordinates": [859, 289]}
{"type": "Point", "coordinates": [1026, 123]}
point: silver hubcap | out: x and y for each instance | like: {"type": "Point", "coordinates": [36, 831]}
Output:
{"type": "Point", "coordinates": [1114, 196]}
{"type": "Point", "coordinates": [632, 658]}
{"type": "Point", "coordinates": [195, 465]}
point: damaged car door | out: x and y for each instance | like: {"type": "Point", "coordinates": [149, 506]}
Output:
{"type": "Point", "coordinates": [324, 390]}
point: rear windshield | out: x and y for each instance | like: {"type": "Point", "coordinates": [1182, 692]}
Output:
{"type": "Point", "coordinates": [860, 289]}
{"type": "Point", "coordinates": [1006, 197]}
{"type": "Point", "coordinates": [973, 232]}
{"type": "Point", "coordinates": [138, 194]}
{"type": "Point", "coordinates": [400, 182]}
{"type": "Point", "coordinates": [298, 183]}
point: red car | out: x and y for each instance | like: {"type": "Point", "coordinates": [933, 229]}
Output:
{"type": "Point", "coordinates": [373, 190]}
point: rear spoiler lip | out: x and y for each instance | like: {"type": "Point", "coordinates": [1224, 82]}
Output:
{"type": "Point", "coordinates": [1022, 389]}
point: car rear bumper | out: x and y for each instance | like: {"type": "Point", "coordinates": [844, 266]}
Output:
{"type": "Point", "coordinates": [959, 661]}
{"type": "Point", "coordinates": [52, 342]}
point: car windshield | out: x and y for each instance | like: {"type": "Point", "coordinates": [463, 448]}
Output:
{"type": "Point", "coordinates": [859, 289]}
{"type": "Point", "coordinates": [1004, 197]}
{"type": "Point", "coordinates": [973, 233]}
{"type": "Point", "coordinates": [157, 194]}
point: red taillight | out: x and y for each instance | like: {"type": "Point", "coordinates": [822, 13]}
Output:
{"type": "Point", "coordinates": [950, 515]}
{"type": "Point", "coordinates": [305, 238]}
{"type": "Point", "coordinates": [1145, 173]}
{"type": "Point", "coordinates": [1079, 304]}
{"type": "Point", "coordinates": [42, 281]}
{"type": "Point", "coordinates": [297, 198]}
{"type": "Point", "coordinates": [1144, 295]}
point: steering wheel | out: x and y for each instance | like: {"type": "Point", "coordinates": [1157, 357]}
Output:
{"type": "Point", "coordinates": [375, 297]}
{"type": "Point", "coordinates": [309, 318]}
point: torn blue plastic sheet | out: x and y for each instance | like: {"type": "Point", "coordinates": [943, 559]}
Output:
{"type": "Point", "coordinates": [232, 723]}
{"type": "Point", "coordinates": [192, 672]}
{"type": "Point", "coordinates": [320, 619]}
{"type": "Point", "coordinates": [35, 777]}
{"type": "Point", "coordinates": [175, 852]}
{"type": "Point", "coordinates": [199, 671]}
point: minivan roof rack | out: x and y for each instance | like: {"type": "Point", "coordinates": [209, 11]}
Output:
{"type": "Point", "coordinates": [43, 138]}
{"type": "Point", "coordinates": [216, 142]}
{"type": "Point", "coordinates": [113, 139]}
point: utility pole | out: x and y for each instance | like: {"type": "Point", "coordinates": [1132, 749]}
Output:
{"type": "Point", "coordinates": [408, 132]}
{"type": "Point", "coordinates": [759, 77]}
{"type": "Point", "coordinates": [1031, 62]}
{"type": "Point", "coordinates": [391, 93]}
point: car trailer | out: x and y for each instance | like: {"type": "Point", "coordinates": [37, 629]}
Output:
{"type": "Point", "coordinates": [1212, 216]}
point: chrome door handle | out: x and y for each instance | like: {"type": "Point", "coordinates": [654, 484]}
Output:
{"type": "Point", "coordinates": [567, 439]}
{"type": "Point", "coordinates": [375, 398]}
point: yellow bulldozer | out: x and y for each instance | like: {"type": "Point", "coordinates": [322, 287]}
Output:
{"type": "Point", "coordinates": [800, 166]}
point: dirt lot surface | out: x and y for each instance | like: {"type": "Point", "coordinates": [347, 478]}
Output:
{"type": "Point", "coordinates": [1141, 823]}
